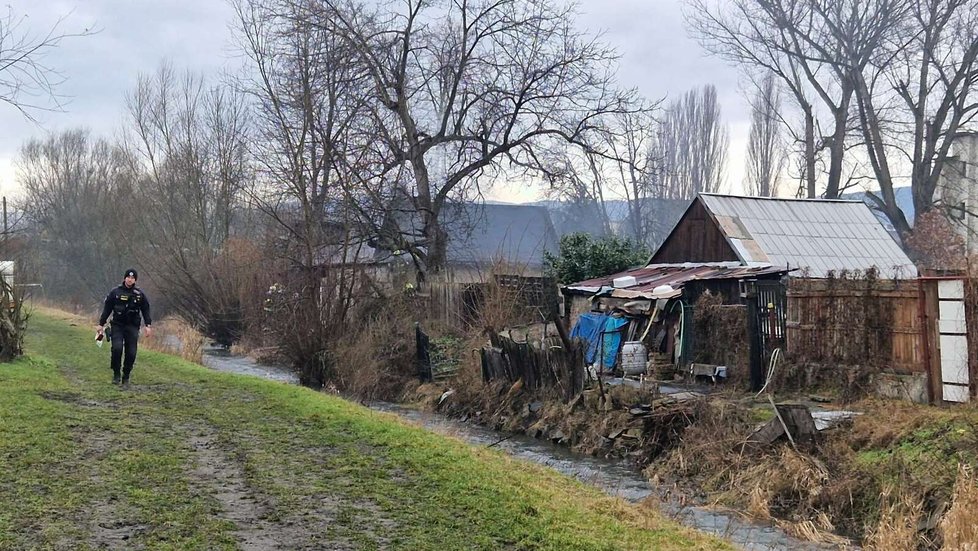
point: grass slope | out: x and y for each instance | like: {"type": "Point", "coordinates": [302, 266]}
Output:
{"type": "Point", "coordinates": [193, 459]}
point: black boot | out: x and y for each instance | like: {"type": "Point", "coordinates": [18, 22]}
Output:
{"type": "Point", "coordinates": [116, 377]}
{"type": "Point", "coordinates": [125, 380]}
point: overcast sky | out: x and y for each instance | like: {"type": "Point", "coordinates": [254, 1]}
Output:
{"type": "Point", "coordinates": [134, 36]}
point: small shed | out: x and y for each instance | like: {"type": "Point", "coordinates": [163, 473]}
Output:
{"type": "Point", "coordinates": [815, 236]}
{"type": "Point", "coordinates": [656, 303]}
{"type": "Point", "coordinates": [823, 243]}
{"type": "Point", "coordinates": [742, 247]}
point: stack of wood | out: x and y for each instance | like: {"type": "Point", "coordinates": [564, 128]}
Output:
{"type": "Point", "coordinates": [654, 427]}
{"type": "Point", "coordinates": [661, 367]}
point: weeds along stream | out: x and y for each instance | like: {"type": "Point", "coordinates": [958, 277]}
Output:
{"type": "Point", "coordinates": [614, 477]}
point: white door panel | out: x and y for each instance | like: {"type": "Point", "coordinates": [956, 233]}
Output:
{"type": "Point", "coordinates": [952, 328]}
{"type": "Point", "coordinates": [955, 393]}
{"type": "Point", "coordinates": [954, 359]}
{"type": "Point", "coordinates": [951, 289]}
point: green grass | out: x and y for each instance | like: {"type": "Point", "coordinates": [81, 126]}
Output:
{"type": "Point", "coordinates": [193, 459]}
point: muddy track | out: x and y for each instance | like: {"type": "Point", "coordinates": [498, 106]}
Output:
{"type": "Point", "coordinates": [109, 526]}
{"type": "Point", "coordinates": [219, 475]}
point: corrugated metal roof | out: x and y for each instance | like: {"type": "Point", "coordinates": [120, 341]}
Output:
{"type": "Point", "coordinates": [482, 233]}
{"type": "Point", "coordinates": [815, 235]}
{"type": "Point", "coordinates": [674, 275]}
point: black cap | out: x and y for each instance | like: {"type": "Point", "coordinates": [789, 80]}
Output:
{"type": "Point", "coordinates": [131, 272]}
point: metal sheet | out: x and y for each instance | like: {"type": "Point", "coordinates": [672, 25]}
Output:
{"type": "Point", "coordinates": [954, 359]}
{"type": "Point", "coordinates": [955, 393]}
{"type": "Point", "coordinates": [825, 234]}
{"type": "Point", "coordinates": [950, 288]}
{"type": "Point", "coordinates": [675, 275]}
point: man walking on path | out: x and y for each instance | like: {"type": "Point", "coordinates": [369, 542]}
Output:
{"type": "Point", "coordinates": [127, 304]}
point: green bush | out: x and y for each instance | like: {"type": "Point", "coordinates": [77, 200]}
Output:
{"type": "Point", "coordinates": [582, 256]}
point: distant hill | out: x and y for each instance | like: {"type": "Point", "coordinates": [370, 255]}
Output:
{"type": "Point", "coordinates": [570, 218]}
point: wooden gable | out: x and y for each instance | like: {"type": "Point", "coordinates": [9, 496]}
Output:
{"type": "Point", "coordinates": [696, 238]}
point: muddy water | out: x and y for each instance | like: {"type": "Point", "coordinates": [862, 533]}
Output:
{"type": "Point", "coordinates": [615, 478]}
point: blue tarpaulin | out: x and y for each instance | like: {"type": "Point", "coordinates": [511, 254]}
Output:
{"type": "Point", "coordinates": [590, 327]}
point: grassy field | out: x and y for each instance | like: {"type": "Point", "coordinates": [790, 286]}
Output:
{"type": "Point", "coordinates": [192, 459]}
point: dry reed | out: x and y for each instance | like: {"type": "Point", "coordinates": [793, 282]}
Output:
{"type": "Point", "coordinates": [897, 526]}
{"type": "Point", "coordinates": [958, 525]}
{"type": "Point", "coordinates": [174, 336]}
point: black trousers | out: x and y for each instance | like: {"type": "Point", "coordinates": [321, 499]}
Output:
{"type": "Point", "coordinates": [124, 337]}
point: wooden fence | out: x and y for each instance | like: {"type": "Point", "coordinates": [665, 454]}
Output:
{"type": "Point", "coordinates": [551, 363]}
{"type": "Point", "coordinates": [866, 321]}
{"type": "Point", "coordinates": [460, 301]}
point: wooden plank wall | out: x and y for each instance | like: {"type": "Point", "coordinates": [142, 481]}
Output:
{"type": "Point", "coordinates": [855, 322]}
{"type": "Point", "coordinates": [695, 238]}
{"type": "Point", "coordinates": [455, 300]}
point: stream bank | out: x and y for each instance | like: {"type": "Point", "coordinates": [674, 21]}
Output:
{"type": "Point", "coordinates": [615, 477]}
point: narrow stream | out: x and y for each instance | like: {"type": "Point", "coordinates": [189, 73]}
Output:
{"type": "Point", "coordinates": [614, 477]}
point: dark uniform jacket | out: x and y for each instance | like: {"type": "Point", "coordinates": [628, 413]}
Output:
{"type": "Point", "coordinates": [126, 305]}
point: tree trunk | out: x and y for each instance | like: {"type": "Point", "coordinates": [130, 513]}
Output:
{"type": "Point", "coordinates": [437, 239]}
{"type": "Point", "coordinates": [837, 148]}
{"type": "Point", "coordinates": [810, 152]}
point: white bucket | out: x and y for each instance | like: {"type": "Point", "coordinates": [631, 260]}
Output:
{"type": "Point", "coordinates": [634, 358]}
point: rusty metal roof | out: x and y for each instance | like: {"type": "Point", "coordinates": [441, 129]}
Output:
{"type": "Point", "coordinates": [674, 275]}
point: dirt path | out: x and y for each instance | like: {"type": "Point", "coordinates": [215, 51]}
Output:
{"type": "Point", "coordinates": [190, 459]}
{"type": "Point", "coordinates": [219, 474]}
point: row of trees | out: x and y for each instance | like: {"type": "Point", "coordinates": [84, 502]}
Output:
{"type": "Point", "coordinates": [346, 114]}
{"type": "Point", "coordinates": [879, 88]}
{"type": "Point", "coordinates": [351, 116]}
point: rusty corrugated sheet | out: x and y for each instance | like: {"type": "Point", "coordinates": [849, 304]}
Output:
{"type": "Point", "coordinates": [675, 275]}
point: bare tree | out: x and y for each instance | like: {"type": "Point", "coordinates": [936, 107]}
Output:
{"type": "Point", "coordinates": [916, 98]}
{"type": "Point", "coordinates": [815, 48]}
{"type": "Point", "coordinates": [691, 145]}
{"type": "Point", "coordinates": [578, 185]}
{"type": "Point", "coordinates": [27, 82]}
{"type": "Point", "coordinates": [73, 186]}
{"type": "Point", "coordinates": [767, 153]}
{"type": "Point", "coordinates": [632, 167]}
{"type": "Point", "coordinates": [620, 166]}
{"type": "Point", "coordinates": [463, 90]}
{"type": "Point", "coordinates": [315, 140]}
{"type": "Point", "coordinates": [189, 143]}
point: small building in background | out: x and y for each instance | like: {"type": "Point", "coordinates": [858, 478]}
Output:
{"type": "Point", "coordinates": [743, 249]}
{"type": "Point", "coordinates": [488, 243]}
{"type": "Point", "coordinates": [957, 189]}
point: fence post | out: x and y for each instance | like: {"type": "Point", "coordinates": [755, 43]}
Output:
{"type": "Point", "coordinates": [756, 345]}
{"type": "Point", "coordinates": [422, 343]}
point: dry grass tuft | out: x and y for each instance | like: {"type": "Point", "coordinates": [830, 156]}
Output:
{"type": "Point", "coordinates": [896, 530]}
{"type": "Point", "coordinates": [759, 503]}
{"type": "Point", "coordinates": [784, 485]}
{"type": "Point", "coordinates": [174, 336]}
{"type": "Point", "coordinates": [881, 431]}
{"type": "Point", "coordinates": [376, 361]}
{"type": "Point", "coordinates": [958, 525]}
